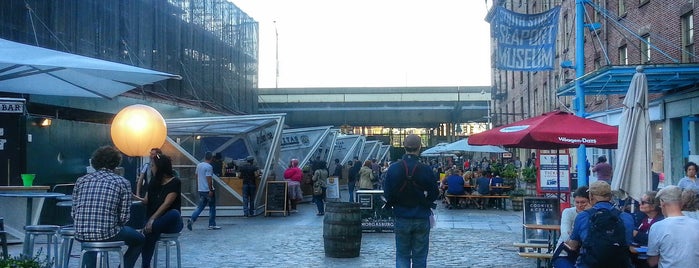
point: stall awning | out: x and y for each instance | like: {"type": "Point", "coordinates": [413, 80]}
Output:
{"type": "Point", "coordinates": [616, 79]}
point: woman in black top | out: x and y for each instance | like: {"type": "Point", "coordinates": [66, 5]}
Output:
{"type": "Point", "coordinates": [163, 202]}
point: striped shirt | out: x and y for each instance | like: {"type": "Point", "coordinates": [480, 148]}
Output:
{"type": "Point", "coordinates": [101, 205]}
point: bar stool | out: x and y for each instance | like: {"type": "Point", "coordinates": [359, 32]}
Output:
{"type": "Point", "coordinates": [32, 231]}
{"type": "Point", "coordinates": [3, 239]}
{"type": "Point", "coordinates": [67, 236]}
{"type": "Point", "coordinates": [102, 249]}
{"type": "Point", "coordinates": [168, 240]}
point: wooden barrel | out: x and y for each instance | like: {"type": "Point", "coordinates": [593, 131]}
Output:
{"type": "Point", "coordinates": [342, 230]}
{"type": "Point", "coordinates": [517, 203]}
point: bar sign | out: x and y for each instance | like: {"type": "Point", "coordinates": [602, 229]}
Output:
{"type": "Point", "coordinates": [11, 107]}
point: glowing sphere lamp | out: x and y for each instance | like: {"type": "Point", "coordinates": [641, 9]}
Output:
{"type": "Point", "coordinates": [138, 128]}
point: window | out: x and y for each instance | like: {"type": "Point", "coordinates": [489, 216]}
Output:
{"type": "Point", "coordinates": [566, 33]}
{"type": "Point", "coordinates": [645, 48]}
{"type": "Point", "coordinates": [622, 8]}
{"type": "Point", "coordinates": [623, 55]}
{"type": "Point", "coordinates": [688, 37]}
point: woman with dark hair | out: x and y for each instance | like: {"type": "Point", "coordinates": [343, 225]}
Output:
{"type": "Point", "coordinates": [651, 207]}
{"type": "Point", "coordinates": [163, 202]}
{"type": "Point", "coordinates": [582, 202]}
{"type": "Point", "coordinates": [690, 179]}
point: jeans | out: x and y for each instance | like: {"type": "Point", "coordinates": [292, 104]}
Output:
{"type": "Point", "coordinates": [132, 238]}
{"type": "Point", "coordinates": [350, 187]}
{"type": "Point", "coordinates": [205, 200]}
{"type": "Point", "coordinates": [168, 223]}
{"type": "Point", "coordinates": [320, 202]}
{"type": "Point", "coordinates": [249, 199]}
{"type": "Point", "coordinates": [412, 242]}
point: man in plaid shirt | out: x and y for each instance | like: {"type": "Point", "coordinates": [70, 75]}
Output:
{"type": "Point", "coordinates": [102, 204]}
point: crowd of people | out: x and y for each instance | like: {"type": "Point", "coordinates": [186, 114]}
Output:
{"type": "Point", "coordinates": [660, 234]}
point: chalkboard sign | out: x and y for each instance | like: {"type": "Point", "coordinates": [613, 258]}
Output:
{"type": "Point", "coordinates": [374, 217]}
{"type": "Point", "coordinates": [275, 200]}
{"type": "Point", "coordinates": [542, 211]}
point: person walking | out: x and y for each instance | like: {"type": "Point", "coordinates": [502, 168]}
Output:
{"type": "Point", "coordinates": [603, 170]}
{"type": "Point", "coordinates": [293, 176]}
{"type": "Point", "coordinates": [163, 202]}
{"type": "Point", "coordinates": [207, 196]}
{"type": "Point", "coordinates": [353, 176]}
{"type": "Point", "coordinates": [319, 179]}
{"type": "Point", "coordinates": [249, 173]}
{"type": "Point", "coordinates": [410, 190]}
{"type": "Point", "coordinates": [366, 176]}
{"type": "Point", "coordinates": [102, 206]}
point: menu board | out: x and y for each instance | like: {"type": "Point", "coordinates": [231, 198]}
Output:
{"type": "Point", "coordinates": [540, 210]}
{"type": "Point", "coordinates": [374, 216]}
{"type": "Point", "coordinates": [275, 200]}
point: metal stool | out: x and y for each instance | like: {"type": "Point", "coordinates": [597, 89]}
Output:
{"type": "Point", "coordinates": [168, 240]}
{"type": "Point", "coordinates": [102, 249]}
{"type": "Point", "coordinates": [32, 231]}
{"type": "Point", "coordinates": [67, 236]}
{"type": "Point", "coordinates": [3, 239]}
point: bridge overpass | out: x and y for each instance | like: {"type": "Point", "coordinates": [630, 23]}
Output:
{"type": "Point", "coordinates": [390, 107]}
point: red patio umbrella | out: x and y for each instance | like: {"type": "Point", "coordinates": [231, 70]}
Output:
{"type": "Point", "coordinates": [552, 130]}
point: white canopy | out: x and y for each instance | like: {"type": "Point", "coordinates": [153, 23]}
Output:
{"type": "Point", "coordinates": [29, 69]}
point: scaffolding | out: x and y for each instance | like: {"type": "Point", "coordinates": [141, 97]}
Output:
{"type": "Point", "coordinates": [212, 44]}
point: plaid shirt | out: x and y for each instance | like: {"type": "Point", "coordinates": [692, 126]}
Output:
{"type": "Point", "coordinates": [101, 205]}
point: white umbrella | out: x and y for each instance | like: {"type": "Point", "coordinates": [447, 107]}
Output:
{"type": "Point", "coordinates": [34, 70]}
{"type": "Point", "coordinates": [632, 169]}
{"type": "Point", "coordinates": [463, 146]}
{"type": "Point", "coordinates": [435, 151]}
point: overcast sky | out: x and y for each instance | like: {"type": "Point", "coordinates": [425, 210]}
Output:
{"type": "Point", "coordinates": [374, 43]}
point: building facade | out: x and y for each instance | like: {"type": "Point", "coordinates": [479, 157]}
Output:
{"type": "Point", "coordinates": [211, 44]}
{"type": "Point", "coordinates": [618, 36]}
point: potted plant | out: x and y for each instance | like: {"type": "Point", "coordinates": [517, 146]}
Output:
{"type": "Point", "coordinates": [529, 179]}
{"type": "Point", "coordinates": [25, 262]}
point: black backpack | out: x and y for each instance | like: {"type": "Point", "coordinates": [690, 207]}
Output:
{"type": "Point", "coordinates": [405, 196]}
{"type": "Point", "coordinates": [605, 245]}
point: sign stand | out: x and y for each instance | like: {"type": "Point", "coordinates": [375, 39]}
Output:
{"type": "Point", "coordinates": [275, 198]}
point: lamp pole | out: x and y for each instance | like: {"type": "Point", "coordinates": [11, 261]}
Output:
{"type": "Point", "coordinates": [276, 55]}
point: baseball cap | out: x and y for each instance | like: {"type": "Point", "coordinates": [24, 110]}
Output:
{"type": "Point", "coordinates": [600, 188]}
{"type": "Point", "coordinates": [412, 141]}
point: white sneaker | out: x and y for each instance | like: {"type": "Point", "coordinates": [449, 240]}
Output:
{"type": "Point", "coordinates": [214, 227]}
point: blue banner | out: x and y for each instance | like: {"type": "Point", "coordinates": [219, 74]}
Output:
{"type": "Point", "coordinates": [525, 42]}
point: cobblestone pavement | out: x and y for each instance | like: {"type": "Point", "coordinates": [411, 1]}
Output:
{"type": "Point", "coordinates": [462, 238]}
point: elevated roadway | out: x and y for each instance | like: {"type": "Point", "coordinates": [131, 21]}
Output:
{"type": "Point", "coordinates": [399, 107]}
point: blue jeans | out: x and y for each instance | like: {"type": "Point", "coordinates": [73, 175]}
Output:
{"type": "Point", "coordinates": [205, 200]}
{"type": "Point", "coordinates": [412, 242]}
{"type": "Point", "coordinates": [132, 238]}
{"type": "Point", "coordinates": [168, 223]}
{"type": "Point", "coordinates": [350, 187]}
{"type": "Point", "coordinates": [320, 201]}
{"type": "Point", "coordinates": [249, 199]}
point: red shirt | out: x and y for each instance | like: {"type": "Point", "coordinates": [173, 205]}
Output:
{"type": "Point", "coordinates": [293, 173]}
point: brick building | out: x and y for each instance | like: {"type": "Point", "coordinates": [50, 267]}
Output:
{"type": "Point", "coordinates": [618, 36]}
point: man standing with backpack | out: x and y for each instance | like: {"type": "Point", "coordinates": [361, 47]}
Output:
{"type": "Point", "coordinates": [410, 189]}
{"type": "Point", "coordinates": [602, 233]}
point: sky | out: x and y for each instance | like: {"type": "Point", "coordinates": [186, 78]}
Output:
{"type": "Point", "coordinates": [372, 43]}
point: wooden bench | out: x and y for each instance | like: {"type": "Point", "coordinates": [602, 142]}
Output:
{"type": "Point", "coordinates": [536, 254]}
{"type": "Point", "coordinates": [471, 197]}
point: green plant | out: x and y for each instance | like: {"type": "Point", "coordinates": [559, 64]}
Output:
{"type": "Point", "coordinates": [518, 192]}
{"type": "Point", "coordinates": [529, 174]}
{"type": "Point", "coordinates": [25, 262]}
